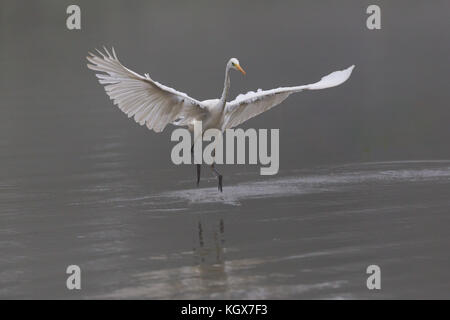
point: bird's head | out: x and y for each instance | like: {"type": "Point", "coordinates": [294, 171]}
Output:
{"type": "Point", "coordinates": [234, 64]}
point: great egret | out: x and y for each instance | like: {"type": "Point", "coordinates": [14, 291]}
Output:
{"type": "Point", "coordinates": [156, 105]}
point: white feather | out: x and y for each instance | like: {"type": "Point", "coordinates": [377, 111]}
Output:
{"type": "Point", "coordinates": [251, 104]}
{"type": "Point", "coordinates": [148, 101]}
{"type": "Point", "coordinates": [155, 105]}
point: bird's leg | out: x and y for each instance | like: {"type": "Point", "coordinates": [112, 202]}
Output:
{"type": "Point", "coordinates": [198, 166]}
{"type": "Point", "coordinates": [198, 174]}
{"type": "Point", "coordinates": [218, 175]}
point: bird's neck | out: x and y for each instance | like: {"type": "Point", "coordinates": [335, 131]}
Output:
{"type": "Point", "coordinates": [226, 86]}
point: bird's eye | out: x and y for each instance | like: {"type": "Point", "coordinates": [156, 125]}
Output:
{"type": "Point", "coordinates": [232, 63]}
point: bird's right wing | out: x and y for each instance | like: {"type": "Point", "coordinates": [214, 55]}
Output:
{"type": "Point", "coordinates": [251, 104]}
{"type": "Point", "coordinates": [148, 101]}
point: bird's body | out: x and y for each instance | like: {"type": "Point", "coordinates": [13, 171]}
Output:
{"type": "Point", "coordinates": [156, 105]}
{"type": "Point", "coordinates": [214, 117]}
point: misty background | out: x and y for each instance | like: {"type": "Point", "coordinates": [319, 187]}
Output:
{"type": "Point", "coordinates": [65, 146]}
{"type": "Point", "coordinates": [395, 106]}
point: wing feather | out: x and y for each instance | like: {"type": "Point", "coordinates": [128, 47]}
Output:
{"type": "Point", "coordinates": [149, 102]}
{"type": "Point", "coordinates": [251, 104]}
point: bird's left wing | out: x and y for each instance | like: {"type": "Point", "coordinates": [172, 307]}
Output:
{"type": "Point", "coordinates": [148, 101]}
{"type": "Point", "coordinates": [251, 104]}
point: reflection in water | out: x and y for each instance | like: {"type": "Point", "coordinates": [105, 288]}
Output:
{"type": "Point", "coordinates": [213, 277]}
{"type": "Point", "coordinates": [308, 233]}
{"type": "Point", "coordinates": [314, 241]}
{"type": "Point", "coordinates": [207, 274]}
{"type": "Point", "coordinates": [209, 254]}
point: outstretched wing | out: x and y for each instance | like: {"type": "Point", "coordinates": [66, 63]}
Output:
{"type": "Point", "coordinates": [249, 105]}
{"type": "Point", "coordinates": [148, 101]}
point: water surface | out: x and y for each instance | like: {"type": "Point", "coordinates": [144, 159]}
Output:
{"type": "Point", "coordinates": [363, 172]}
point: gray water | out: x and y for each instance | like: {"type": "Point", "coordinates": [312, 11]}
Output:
{"type": "Point", "coordinates": [364, 172]}
{"type": "Point", "coordinates": [304, 234]}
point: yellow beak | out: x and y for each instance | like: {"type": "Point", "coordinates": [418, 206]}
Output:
{"type": "Point", "coordinates": [240, 69]}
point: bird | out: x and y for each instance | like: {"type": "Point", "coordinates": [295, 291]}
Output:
{"type": "Point", "coordinates": [155, 105]}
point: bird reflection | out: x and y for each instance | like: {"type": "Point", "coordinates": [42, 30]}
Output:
{"type": "Point", "coordinates": [209, 252]}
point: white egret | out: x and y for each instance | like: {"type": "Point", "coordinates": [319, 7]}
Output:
{"type": "Point", "coordinates": [156, 105]}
